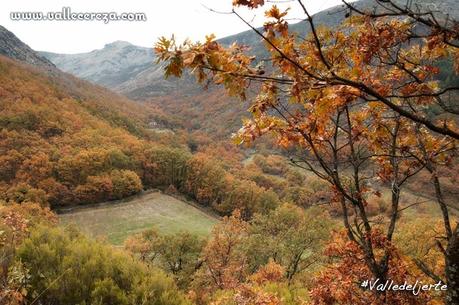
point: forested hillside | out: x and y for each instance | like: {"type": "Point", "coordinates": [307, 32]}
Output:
{"type": "Point", "coordinates": [68, 142]}
{"type": "Point", "coordinates": [65, 141]}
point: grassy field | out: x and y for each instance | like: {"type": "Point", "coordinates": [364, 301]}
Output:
{"type": "Point", "coordinates": [116, 221]}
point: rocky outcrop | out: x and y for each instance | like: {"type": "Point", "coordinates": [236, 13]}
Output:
{"type": "Point", "coordinates": [11, 46]}
{"type": "Point", "coordinates": [120, 66]}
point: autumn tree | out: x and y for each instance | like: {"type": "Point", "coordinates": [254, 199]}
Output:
{"type": "Point", "coordinates": [336, 284]}
{"type": "Point", "coordinates": [24, 193]}
{"type": "Point", "coordinates": [224, 263]}
{"type": "Point", "coordinates": [96, 188]}
{"type": "Point", "coordinates": [178, 254]}
{"type": "Point", "coordinates": [16, 224]}
{"type": "Point", "coordinates": [253, 292]}
{"type": "Point", "coordinates": [10, 160]}
{"type": "Point", "coordinates": [246, 197]}
{"type": "Point", "coordinates": [261, 257]}
{"type": "Point", "coordinates": [35, 169]}
{"type": "Point", "coordinates": [253, 173]}
{"type": "Point", "coordinates": [163, 166]}
{"type": "Point", "coordinates": [205, 179]}
{"type": "Point", "coordinates": [145, 245]}
{"type": "Point", "coordinates": [426, 257]}
{"type": "Point", "coordinates": [271, 164]}
{"type": "Point", "coordinates": [125, 183]}
{"type": "Point", "coordinates": [348, 100]}
{"type": "Point", "coordinates": [288, 236]}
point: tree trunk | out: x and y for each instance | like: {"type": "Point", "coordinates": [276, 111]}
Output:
{"type": "Point", "coordinates": [452, 269]}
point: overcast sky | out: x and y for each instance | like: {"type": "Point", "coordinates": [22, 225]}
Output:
{"type": "Point", "coordinates": [184, 18]}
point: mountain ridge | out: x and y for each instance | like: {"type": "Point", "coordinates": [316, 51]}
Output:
{"type": "Point", "coordinates": [131, 71]}
{"type": "Point", "coordinates": [13, 47]}
{"type": "Point", "coordinates": [140, 78]}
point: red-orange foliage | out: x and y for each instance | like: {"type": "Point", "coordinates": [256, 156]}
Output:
{"type": "Point", "coordinates": [340, 281]}
{"type": "Point", "coordinates": [224, 265]}
{"type": "Point", "coordinates": [64, 141]}
{"type": "Point", "coordinates": [16, 223]}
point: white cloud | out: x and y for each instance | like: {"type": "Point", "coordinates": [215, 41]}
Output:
{"type": "Point", "coordinates": [184, 18]}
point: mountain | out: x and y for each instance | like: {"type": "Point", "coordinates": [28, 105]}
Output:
{"type": "Point", "coordinates": [132, 71]}
{"type": "Point", "coordinates": [114, 64]}
{"type": "Point", "coordinates": [334, 16]}
{"type": "Point", "coordinates": [12, 47]}
{"type": "Point", "coordinates": [100, 101]}
{"type": "Point", "coordinates": [120, 66]}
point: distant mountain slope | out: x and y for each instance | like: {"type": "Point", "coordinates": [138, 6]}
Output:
{"type": "Point", "coordinates": [115, 63]}
{"type": "Point", "coordinates": [334, 16]}
{"type": "Point", "coordinates": [51, 141]}
{"type": "Point", "coordinates": [65, 141]}
{"type": "Point", "coordinates": [12, 47]}
{"type": "Point", "coordinates": [132, 71]}
{"type": "Point", "coordinates": [98, 100]}
{"type": "Point", "coordinates": [120, 66]}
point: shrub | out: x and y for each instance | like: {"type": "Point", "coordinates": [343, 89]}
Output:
{"type": "Point", "coordinates": [294, 177]}
{"type": "Point", "coordinates": [75, 270]}
{"type": "Point", "coordinates": [23, 193]}
{"type": "Point", "coordinates": [277, 184]}
{"type": "Point", "coordinates": [299, 196]}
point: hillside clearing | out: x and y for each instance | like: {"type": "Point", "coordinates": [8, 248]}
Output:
{"type": "Point", "coordinates": [116, 221]}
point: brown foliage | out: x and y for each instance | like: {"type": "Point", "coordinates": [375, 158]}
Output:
{"type": "Point", "coordinates": [339, 282]}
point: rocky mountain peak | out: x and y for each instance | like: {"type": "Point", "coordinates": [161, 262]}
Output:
{"type": "Point", "coordinates": [119, 44]}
